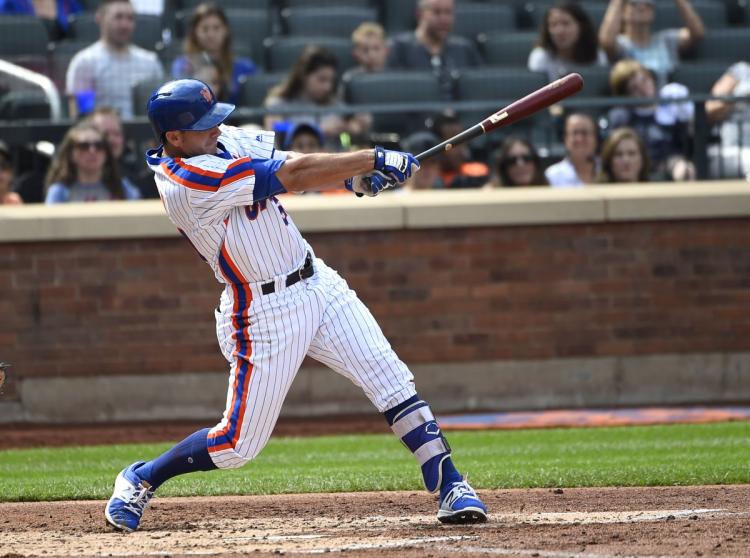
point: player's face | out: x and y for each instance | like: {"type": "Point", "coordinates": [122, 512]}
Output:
{"type": "Point", "coordinates": [437, 17]}
{"type": "Point", "coordinates": [193, 143]}
{"type": "Point", "coordinates": [520, 165]}
{"type": "Point", "coordinates": [211, 33]}
{"type": "Point", "coordinates": [117, 23]}
{"type": "Point", "coordinates": [88, 152]}
{"type": "Point", "coordinates": [580, 137]}
{"type": "Point", "coordinates": [320, 83]}
{"type": "Point", "coordinates": [626, 161]}
{"type": "Point", "coordinates": [563, 29]}
{"type": "Point", "coordinates": [370, 53]}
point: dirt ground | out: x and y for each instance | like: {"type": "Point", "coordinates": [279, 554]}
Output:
{"type": "Point", "coordinates": [584, 523]}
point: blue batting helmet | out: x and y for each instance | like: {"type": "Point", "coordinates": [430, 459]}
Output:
{"type": "Point", "coordinates": [185, 104]}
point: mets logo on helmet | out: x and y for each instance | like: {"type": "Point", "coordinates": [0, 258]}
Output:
{"type": "Point", "coordinates": [206, 94]}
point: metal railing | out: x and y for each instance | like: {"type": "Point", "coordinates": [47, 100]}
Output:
{"type": "Point", "coordinates": [39, 80]}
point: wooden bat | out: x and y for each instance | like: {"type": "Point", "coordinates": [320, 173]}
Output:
{"type": "Point", "coordinates": [518, 110]}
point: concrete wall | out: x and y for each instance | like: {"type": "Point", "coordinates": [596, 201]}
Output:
{"type": "Point", "coordinates": [516, 299]}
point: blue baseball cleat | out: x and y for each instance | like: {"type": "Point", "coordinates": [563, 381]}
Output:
{"type": "Point", "coordinates": [129, 499]}
{"type": "Point", "coordinates": [459, 504]}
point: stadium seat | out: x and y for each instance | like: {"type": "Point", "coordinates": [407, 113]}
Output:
{"type": "Point", "coordinates": [283, 51]}
{"type": "Point", "coordinates": [393, 87]}
{"type": "Point", "coordinates": [595, 80]}
{"type": "Point", "coordinates": [698, 77]}
{"type": "Point", "coordinates": [22, 36]}
{"type": "Point", "coordinates": [255, 87]}
{"type": "Point", "coordinates": [729, 45]}
{"type": "Point", "coordinates": [230, 4]}
{"type": "Point", "coordinates": [507, 49]}
{"type": "Point", "coordinates": [501, 84]}
{"type": "Point", "coordinates": [141, 93]}
{"type": "Point", "coordinates": [474, 18]}
{"type": "Point", "coordinates": [712, 12]}
{"type": "Point", "coordinates": [338, 21]}
{"type": "Point", "coordinates": [24, 105]}
{"type": "Point", "coordinates": [148, 29]}
{"type": "Point", "coordinates": [62, 53]}
{"type": "Point", "coordinates": [327, 3]}
{"type": "Point", "coordinates": [399, 15]}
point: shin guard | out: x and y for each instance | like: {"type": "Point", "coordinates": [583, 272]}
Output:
{"type": "Point", "coordinates": [419, 432]}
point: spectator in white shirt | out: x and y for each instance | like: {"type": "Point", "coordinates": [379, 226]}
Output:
{"type": "Point", "coordinates": [581, 165]}
{"type": "Point", "coordinates": [105, 72]}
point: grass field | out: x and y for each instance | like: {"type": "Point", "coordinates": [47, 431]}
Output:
{"type": "Point", "coordinates": [696, 454]}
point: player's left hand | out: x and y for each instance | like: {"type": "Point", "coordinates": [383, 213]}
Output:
{"type": "Point", "coordinates": [395, 164]}
{"type": "Point", "coordinates": [369, 185]}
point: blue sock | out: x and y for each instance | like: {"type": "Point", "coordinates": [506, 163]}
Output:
{"type": "Point", "coordinates": [438, 471]}
{"type": "Point", "coordinates": [189, 455]}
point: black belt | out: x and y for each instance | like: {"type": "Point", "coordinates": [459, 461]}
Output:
{"type": "Point", "coordinates": [307, 270]}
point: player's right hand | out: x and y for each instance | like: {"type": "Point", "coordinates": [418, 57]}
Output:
{"type": "Point", "coordinates": [369, 185]}
{"type": "Point", "coordinates": [395, 164]}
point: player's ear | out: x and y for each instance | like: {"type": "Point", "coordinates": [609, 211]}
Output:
{"type": "Point", "coordinates": [174, 137]}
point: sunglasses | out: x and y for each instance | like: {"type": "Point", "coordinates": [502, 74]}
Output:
{"type": "Point", "coordinates": [89, 145]}
{"type": "Point", "coordinates": [517, 159]}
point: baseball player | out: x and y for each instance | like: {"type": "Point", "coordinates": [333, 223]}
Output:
{"type": "Point", "coordinates": [219, 185]}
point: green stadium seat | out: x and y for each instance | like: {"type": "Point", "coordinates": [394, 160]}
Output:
{"type": "Point", "coordinates": [507, 49]}
{"type": "Point", "coordinates": [338, 21]}
{"type": "Point", "coordinates": [255, 87]}
{"type": "Point", "coordinates": [22, 36]}
{"type": "Point", "coordinates": [393, 86]}
{"type": "Point", "coordinates": [712, 12]}
{"type": "Point", "coordinates": [728, 45]}
{"type": "Point", "coordinates": [595, 80]}
{"type": "Point", "coordinates": [142, 93]}
{"type": "Point", "coordinates": [698, 77]}
{"type": "Point", "coordinates": [474, 18]}
{"type": "Point", "coordinates": [282, 52]}
{"type": "Point", "coordinates": [399, 15]}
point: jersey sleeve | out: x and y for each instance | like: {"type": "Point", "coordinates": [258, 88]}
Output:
{"type": "Point", "coordinates": [214, 185]}
{"type": "Point", "coordinates": [258, 144]}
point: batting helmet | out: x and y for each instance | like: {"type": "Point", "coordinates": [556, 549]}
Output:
{"type": "Point", "coordinates": [185, 104]}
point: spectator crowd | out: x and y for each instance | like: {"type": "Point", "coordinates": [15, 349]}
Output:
{"type": "Point", "coordinates": [322, 92]}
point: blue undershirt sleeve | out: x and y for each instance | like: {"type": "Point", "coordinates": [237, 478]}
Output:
{"type": "Point", "coordinates": [266, 183]}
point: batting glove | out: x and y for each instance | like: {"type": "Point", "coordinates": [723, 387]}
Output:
{"type": "Point", "coordinates": [395, 164]}
{"type": "Point", "coordinates": [370, 185]}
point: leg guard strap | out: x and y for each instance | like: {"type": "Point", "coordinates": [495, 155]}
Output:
{"type": "Point", "coordinates": [420, 433]}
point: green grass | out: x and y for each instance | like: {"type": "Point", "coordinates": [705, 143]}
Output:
{"type": "Point", "coordinates": [716, 453]}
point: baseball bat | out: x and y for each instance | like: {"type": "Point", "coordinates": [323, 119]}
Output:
{"type": "Point", "coordinates": [517, 110]}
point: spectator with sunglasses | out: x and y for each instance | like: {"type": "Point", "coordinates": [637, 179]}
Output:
{"type": "Point", "coordinates": [518, 164]}
{"type": "Point", "coordinates": [84, 170]}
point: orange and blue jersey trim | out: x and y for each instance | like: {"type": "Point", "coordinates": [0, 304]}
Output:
{"type": "Point", "coordinates": [206, 180]}
{"type": "Point", "coordinates": [229, 435]}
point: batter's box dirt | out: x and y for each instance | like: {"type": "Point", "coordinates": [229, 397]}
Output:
{"type": "Point", "coordinates": [584, 523]}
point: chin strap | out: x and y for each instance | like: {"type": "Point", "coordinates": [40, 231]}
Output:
{"type": "Point", "coordinates": [419, 432]}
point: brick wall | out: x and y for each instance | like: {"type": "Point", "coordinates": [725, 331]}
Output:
{"type": "Point", "coordinates": [529, 292]}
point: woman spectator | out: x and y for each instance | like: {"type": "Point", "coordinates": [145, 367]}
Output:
{"type": "Point", "coordinates": [581, 164]}
{"type": "Point", "coordinates": [209, 41]}
{"type": "Point", "coordinates": [84, 169]}
{"type": "Point", "coordinates": [733, 160]}
{"type": "Point", "coordinates": [53, 13]}
{"type": "Point", "coordinates": [665, 127]}
{"type": "Point", "coordinates": [627, 32]}
{"type": "Point", "coordinates": [567, 38]}
{"type": "Point", "coordinates": [518, 164]}
{"type": "Point", "coordinates": [311, 84]}
{"type": "Point", "coordinates": [624, 158]}
{"type": "Point", "coordinates": [7, 173]}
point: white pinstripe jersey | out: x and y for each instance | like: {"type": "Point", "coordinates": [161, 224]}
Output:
{"type": "Point", "coordinates": [222, 204]}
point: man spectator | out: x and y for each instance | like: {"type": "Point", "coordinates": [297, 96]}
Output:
{"type": "Point", "coordinates": [581, 165]}
{"type": "Point", "coordinates": [431, 45]}
{"type": "Point", "coordinates": [627, 32]}
{"type": "Point", "coordinates": [105, 72]}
